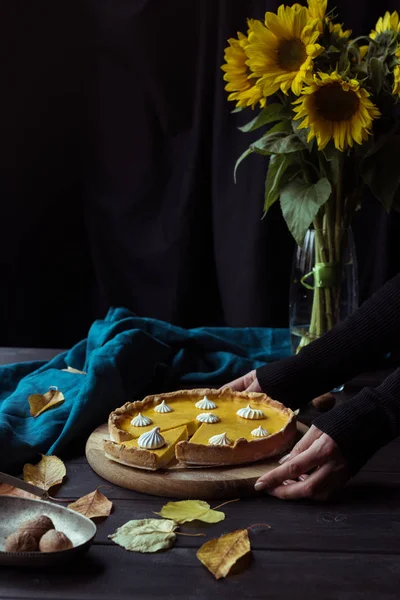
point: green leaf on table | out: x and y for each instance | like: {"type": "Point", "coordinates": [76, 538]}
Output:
{"type": "Point", "coordinates": [301, 202]}
{"type": "Point", "coordinates": [146, 535]}
{"type": "Point", "coordinates": [271, 113]}
{"type": "Point", "coordinates": [191, 510]}
{"type": "Point", "coordinates": [380, 170]}
{"type": "Point", "coordinates": [281, 167]}
{"type": "Point", "coordinates": [277, 143]}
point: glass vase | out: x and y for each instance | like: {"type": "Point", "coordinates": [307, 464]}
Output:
{"type": "Point", "coordinates": [324, 284]}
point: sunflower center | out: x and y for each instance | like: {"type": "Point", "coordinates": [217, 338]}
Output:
{"type": "Point", "coordinates": [291, 54]}
{"type": "Point", "coordinates": [334, 104]}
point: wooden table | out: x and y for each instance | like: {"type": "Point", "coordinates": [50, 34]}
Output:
{"type": "Point", "coordinates": [346, 549]}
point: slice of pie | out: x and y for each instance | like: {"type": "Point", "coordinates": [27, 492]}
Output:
{"type": "Point", "coordinates": [201, 427]}
{"type": "Point", "coordinates": [129, 453]}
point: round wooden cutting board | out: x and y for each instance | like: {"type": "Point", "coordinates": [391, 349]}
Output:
{"type": "Point", "coordinates": [178, 482]}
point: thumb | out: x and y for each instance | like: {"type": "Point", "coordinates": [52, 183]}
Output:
{"type": "Point", "coordinates": [254, 386]}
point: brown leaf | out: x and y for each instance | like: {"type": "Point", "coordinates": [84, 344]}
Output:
{"type": "Point", "coordinates": [92, 505]}
{"type": "Point", "coordinates": [220, 554]}
{"type": "Point", "coordinates": [49, 471]}
{"type": "Point", "coordinates": [40, 402]}
{"type": "Point", "coordinates": [10, 490]}
{"type": "Point", "coordinates": [72, 370]}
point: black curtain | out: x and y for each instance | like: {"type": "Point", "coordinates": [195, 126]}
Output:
{"type": "Point", "coordinates": [116, 172]}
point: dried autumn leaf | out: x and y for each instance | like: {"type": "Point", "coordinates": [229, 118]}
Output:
{"type": "Point", "coordinates": [92, 505]}
{"type": "Point", "coordinates": [49, 471]}
{"type": "Point", "coordinates": [146, 535]}
{"type": "Point", "coordinates": [191, 510]}
{"type": "Point", "coordinates": [220, 554]}
{"type": "Point", "coordinates": [72, 370]}
{"type": "Point", "coordinates": [10, 490]}
{"type": "Point", "coordinates": [40, 402]}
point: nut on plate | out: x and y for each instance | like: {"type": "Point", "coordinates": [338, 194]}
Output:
{"type": "Point", "coordinates": [54, 541]}
{"type": "Point", "coordinates": [21, 541]}
{"type": "Point", "coordinates": [37, 527]}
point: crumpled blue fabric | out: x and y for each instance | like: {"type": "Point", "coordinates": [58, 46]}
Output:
{"type": "Point", "coordinates": [125, 357]}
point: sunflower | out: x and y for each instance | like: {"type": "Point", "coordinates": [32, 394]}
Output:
{"type": "Point", "coordinates": [390, 22]}
{"type": "Point", "coordinates": [396, 74]}
{"type": "Point", "coordinates": [317, 10]}
{"type": "Point", "coordinates": [243, 90]}
{"type": "Point", "coordinates": [281, 52]}
{"type": "Point", "coordinates": [336, 29]}
{"type": "Point", "coordinates": [334, 108]}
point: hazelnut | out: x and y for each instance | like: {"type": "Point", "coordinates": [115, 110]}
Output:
{"type": "Point", "coordinates": [37, 527]}
{"type": "Point", "coordinates": [54, 541]}
{"type": "Point", "coordinates": [324, 403]}
{"type": "Point", "coordinates": [21, 541]}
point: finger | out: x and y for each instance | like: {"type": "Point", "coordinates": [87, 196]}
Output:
{"type": "Point", "coordinates": [293, 468]}
{"type": "Point", "coordinates": [317, 486]}
{"type": "Point", "coordinates": [306, 441]}
{"type": "Point", "coordinates": [254, 387]}
{"type": "Point", "coordinates": [241, 383]}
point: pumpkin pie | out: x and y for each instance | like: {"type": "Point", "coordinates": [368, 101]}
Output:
{"type": "Point", "coordinates": [201, 427]}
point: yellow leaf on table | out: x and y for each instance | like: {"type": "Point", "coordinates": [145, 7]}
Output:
{"type": "Point", "coordinates": [72, 370]}
{"type": "Point", "coordinates": [191, 510]}
{"type": "Point", "coordinates": [92, 505]}
{"type": "Point", "coordinates": [40, 402]}
{"type": "Point", "coordinates": [10, 490]}
{"type": "Point", "coordinates": [146, 535]}
{"type": "Point", "coordinates": [219, 555]}
{"type": "Point", "coordinates": [49, 471]}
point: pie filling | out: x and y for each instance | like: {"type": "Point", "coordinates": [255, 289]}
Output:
{"type": "Point", "coordinates": [181, 423]}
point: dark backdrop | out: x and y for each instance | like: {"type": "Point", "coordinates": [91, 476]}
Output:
{"type": "Point", "coordinates": [116, 172]}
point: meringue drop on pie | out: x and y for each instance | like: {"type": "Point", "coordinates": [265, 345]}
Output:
{"type": "Point", "coordinates": [151, 440]}
{"type": "Point", "coordinates": [260, 432]}
{"type": "Point", "coordinates": [226, 436]}
{"type": "Point", "coordinates": [207, 418]}
{"type": "Point", "coordinates": [220, 440]}
{"type": "Point", "coordinates": [205, 404]}
{"type": "Point", "coordinates": [141, 421]}
{"type": "Point", "coordinates": [250, 413]}
{"type": "Point", "coordinates": [163, 408]}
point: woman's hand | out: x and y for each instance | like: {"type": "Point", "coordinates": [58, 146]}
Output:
{"type": "Point", "coordinates": [248, 383]}
{"type": "Point", "coordinates": [314, 469]}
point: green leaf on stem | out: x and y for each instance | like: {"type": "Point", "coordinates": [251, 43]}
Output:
{"type": "Point", "coordinates": [301, 202]}
{"type": "Point", "coordinates": [302, 134]}
{"type": "Point", "coordinates": [281, 167]}
{"type": "Point", "coordinates": [277, 143]}
{"type": "Point", "coordinates": [271, 113]}
{"type": "Point", "coordinates": [380, 171]}
{"type": "Point", "coordinates": [240, 159]}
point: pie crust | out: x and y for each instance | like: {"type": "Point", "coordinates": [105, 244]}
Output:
{"type": "Point", "coordinates": [241, 450]}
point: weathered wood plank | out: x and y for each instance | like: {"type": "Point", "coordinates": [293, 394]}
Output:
{"type": "Point", "coordinates": [110, 572]}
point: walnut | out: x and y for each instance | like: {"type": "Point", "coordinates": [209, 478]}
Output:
{"type": "Point", "coordinates": [21, 541]}
{"type": "Point", "coordinates": [37, 527]}
{"type": "Point", "coordinates": [54, 541]}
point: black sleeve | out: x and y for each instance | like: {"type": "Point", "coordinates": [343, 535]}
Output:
{"type": "Point", "coordinates": [351, 347]}
{"type": "Point", "coordinates": [366, 423]}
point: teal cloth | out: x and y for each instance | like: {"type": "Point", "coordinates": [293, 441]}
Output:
{"type": "Point", "coordinates": [125, 357]}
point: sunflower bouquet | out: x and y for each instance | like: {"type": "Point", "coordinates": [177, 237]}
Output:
{"type": "Point", "coordinates": [329, 108]}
